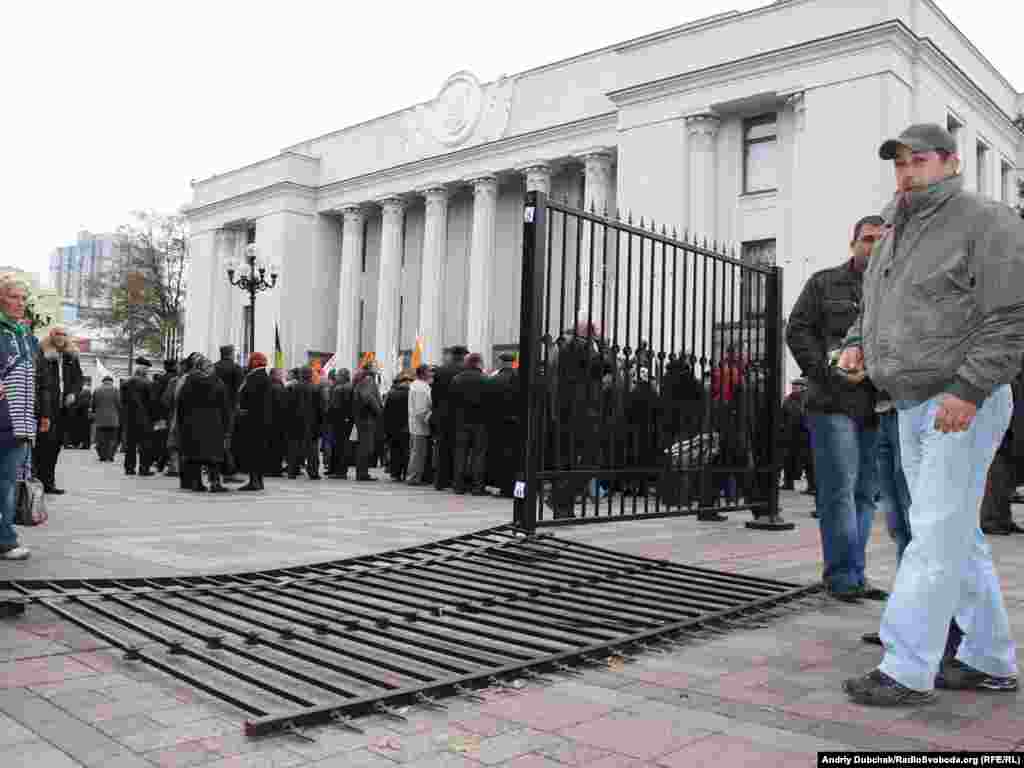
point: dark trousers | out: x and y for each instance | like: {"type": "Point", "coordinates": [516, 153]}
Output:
{"type": "Point", "coordinates": [303, 452]}
{"type": "Point", "coordinates": [367, 447]}
{"type": "Point", "coordinates": [192, 474]}
{"type": "Point", "coordinates": [470, 456]}
{"type": "Point", "coordinates": [341, 456]}
{"type": "Point", "coordinates": [137, 447]}
{"type": "Point", "coordinates": [47, 451]}
{"type": "Point", "coordinates": [158, 448]}
{"type": "Point", "coordinates": [444, 456]}
{"type": "Point", "coordinates": [106, 442]}
{"type": "Point", "coordinates": [1000, 486]}
{"type": "Point", "coordinates": [398, 455]}
{"type": "Point", "coordinates": [276, 454]}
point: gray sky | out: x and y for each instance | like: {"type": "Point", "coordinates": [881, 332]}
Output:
{"type": "Point", "coordinates": [114, 105]}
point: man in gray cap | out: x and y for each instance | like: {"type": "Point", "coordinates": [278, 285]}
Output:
{"type": "Point", "coordinates": [941, 330]}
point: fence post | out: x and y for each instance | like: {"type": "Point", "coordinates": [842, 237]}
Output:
{"type": "Point", "coordinates": [530, 320]}
{"type": "Point", "coordinates": [772, 520]}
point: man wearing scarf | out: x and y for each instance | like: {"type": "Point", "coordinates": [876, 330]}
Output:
{"type": "Point", "coordinates": [58, 361]}
{"type": "Point", "coordinates": [24, 404]}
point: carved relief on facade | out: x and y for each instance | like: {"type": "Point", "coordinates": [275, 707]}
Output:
{"type": "Point", "coordinates": [464, 112]}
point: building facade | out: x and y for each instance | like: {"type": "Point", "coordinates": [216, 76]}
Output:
{"type": "Point", "coordinates": [757, 129]}
{"type": "Point", "coordinates": [81, 272]}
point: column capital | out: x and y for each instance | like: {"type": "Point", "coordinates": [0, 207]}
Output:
{"type": "Point", "coordinates": [434, 193]}
{"type": "Point", "coordinates": [391, 204]}
{"type": "Point", "coordinates": [703, 125]}
{"type": "Point", "coordinates": [353, 212]}
{"type": "Point", "coordinates": [538, 176]}
{"type": "Point", "coordinates": [486, 184]}
{"type": "Point", "coordinates": [797, 103]}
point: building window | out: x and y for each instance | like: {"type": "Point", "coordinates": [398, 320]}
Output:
{"type": "Point", "coordinates": [759, 253]}
{"type": "Point", "coordinates": [362, 256]}
{"type": "Point", "coordinates": [760, 154]}
{"type": "Point", "coordinates": [250, 234]}
{"type": "Point", "coordinates": [981, 169]}
{"type": "Point", "coordinates": [246, 328]}
{"type": "Point", "coordinates": [362, 318]}
{"type": "Point", "coordinates": [1006, 182]}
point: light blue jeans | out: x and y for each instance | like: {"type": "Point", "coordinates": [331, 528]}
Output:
{"type": "Point", "coordinates": [893, 493]}
{"type": "Point", "coordinates": [947, 568]}
{"type": "Point", "coordinates": [846, 473]}
{"type": "Point", "coordinates": [10, 460]}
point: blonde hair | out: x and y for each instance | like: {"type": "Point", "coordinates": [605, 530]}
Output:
{"type": "Point", "coordinates": [9, 280]}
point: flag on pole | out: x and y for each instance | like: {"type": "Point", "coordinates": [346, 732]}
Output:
{"type": "Point", "coordinates": [101, 373]}
{"type": "Point", "coordinates": [278, 352]}
{"type": "Point", "coordinates": [515, 362]}
{"type": "Point", "coordinates": [330, 365]}
{"type": "Point", "coordinates": [317, 368]}
{"type": "Point", "coordinates": [417, 353]}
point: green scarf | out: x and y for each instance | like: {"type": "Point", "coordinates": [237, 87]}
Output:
{"type": "Point", "coordinates": [11, 325]}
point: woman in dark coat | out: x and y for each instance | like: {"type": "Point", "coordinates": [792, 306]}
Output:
{"type": "Point", "coordinates": [203, 418]}
{"type": "Point", "coordinates": [255, 421]}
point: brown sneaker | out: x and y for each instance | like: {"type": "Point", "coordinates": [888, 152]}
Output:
{"type": "Point", "coordinates": [877, 689]}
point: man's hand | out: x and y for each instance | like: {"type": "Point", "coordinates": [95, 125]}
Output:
{"type": "Point", "coordinates": [69, 400]}
{"type": "Point", "coordinates": [44, 424]}
{"type": "Point", "coordinates": [852, 359]}
{"type": "Point", "coordinates": [954, 415]}
{"type": "Point", "coordinates": [3, 391]}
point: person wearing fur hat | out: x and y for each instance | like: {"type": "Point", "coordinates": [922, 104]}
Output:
{"type": "Point", "coordinates": [58, 362]}
{"type": "Point", "coordinates": [254, 421]}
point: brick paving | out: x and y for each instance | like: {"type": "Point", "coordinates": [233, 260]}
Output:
{"type": "Point", "coordinates": [766, 697]}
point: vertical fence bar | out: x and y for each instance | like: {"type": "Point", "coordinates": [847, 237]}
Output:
{"type": "Point", "coordinates": [534, 257]}
{"type": "Point", "coordinates": [771, 519]}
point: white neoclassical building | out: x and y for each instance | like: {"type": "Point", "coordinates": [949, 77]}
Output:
{"type": "Point", "coordinates": [759, 129]}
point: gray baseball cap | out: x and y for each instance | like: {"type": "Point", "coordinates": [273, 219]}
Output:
{"type": "Point", "coordinates": [923, 137]}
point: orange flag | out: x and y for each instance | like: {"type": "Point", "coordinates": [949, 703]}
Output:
{"type": "Point", "coordinates": [515, 363]}
{"type": "Point", "coordinates": [417, 353]}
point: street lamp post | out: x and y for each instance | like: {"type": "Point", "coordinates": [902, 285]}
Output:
{"type": "Point", "coordinates": [254, 282]}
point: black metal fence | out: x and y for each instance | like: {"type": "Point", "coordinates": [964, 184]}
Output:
{"type": "Point", "coordinates": [652, 372]}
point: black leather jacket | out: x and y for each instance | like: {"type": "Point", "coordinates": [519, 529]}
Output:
{"type": "Point", "coordinates": [827, 307]}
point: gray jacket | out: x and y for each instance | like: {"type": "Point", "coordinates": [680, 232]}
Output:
{"type": "Point", "coordinates": [943, 307]}
{"type": "Point", "coordinates": [106, 407]}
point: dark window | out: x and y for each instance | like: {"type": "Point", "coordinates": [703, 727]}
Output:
{"type": "Point", "coordinates": [981, 169]}
{"type": "Point", "coordinates": [362, 317]}
{"type": "Point", "coordinates": [760, 154]}
{"type": "Point", "coordinates": [404, 219]}
{"type": "Point", "coordinates": [760, 253]}
{"type": "Point", "coordinates": [362, 256]}
{"type": "Point", "coordinates": [953, 126]}
{"type": "Point", "coordinates": [250, 235]}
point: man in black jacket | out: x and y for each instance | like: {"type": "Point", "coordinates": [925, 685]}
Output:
{"type": "Point", "coordinates": [137, 419]}
{"type": "Point", "coordinates": [339, 417]}
{"type": "Point", "coordinates": [366, 411]}
{"type": "Point", "coordinates": [304, 411]}
{"type": "Point", "coordinates": [58, 362]}
{"type": "Point", "coordinates": [232, 375]}
{"type": "Point", "coordinates": [842, 415]}
{"type": "Point", "coordinates": [468, 398]}
{"type": "Point", "coordinates": [505, 441]}
{"type": "Point", "coordinates": [161, 414]}
{"type": "Point", "coordinates": [442, 418]}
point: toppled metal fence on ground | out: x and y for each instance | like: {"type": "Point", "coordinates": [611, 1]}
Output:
{"type": "Point", "coordinates": [329, 642]}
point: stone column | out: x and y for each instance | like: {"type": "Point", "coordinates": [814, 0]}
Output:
{"type": "Point", "coordinates": [481, 267]}
{"type": "Point", "coordinates": [222, 291]}
{"type": "Point", "coordinates": [347, 345]}
{"type": "Point", "coordinates": [389, 286]}
{"type": "Point", "coordinates": [595, 288]}
{"type": "Point", "coordinates": [538, 177]}
{"type": "Point", "coordinates": [435, 240]}
{"type": "Point", "coordinates": [701, 133]}
{"type": "Point", "coordinates": [791, 253]}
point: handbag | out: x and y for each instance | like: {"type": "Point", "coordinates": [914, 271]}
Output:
{"type": "Point", "coordinates": [30, 506]}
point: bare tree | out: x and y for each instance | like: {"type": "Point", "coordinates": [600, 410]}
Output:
{"type": "Point", "coordinates": [147, 284]}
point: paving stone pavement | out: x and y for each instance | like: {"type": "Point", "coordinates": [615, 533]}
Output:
{"type": "Point", "coordinates": [766, 697]}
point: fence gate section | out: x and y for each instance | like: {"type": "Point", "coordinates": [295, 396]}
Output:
{"type": "Point", "coordinates": [651, 370]}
